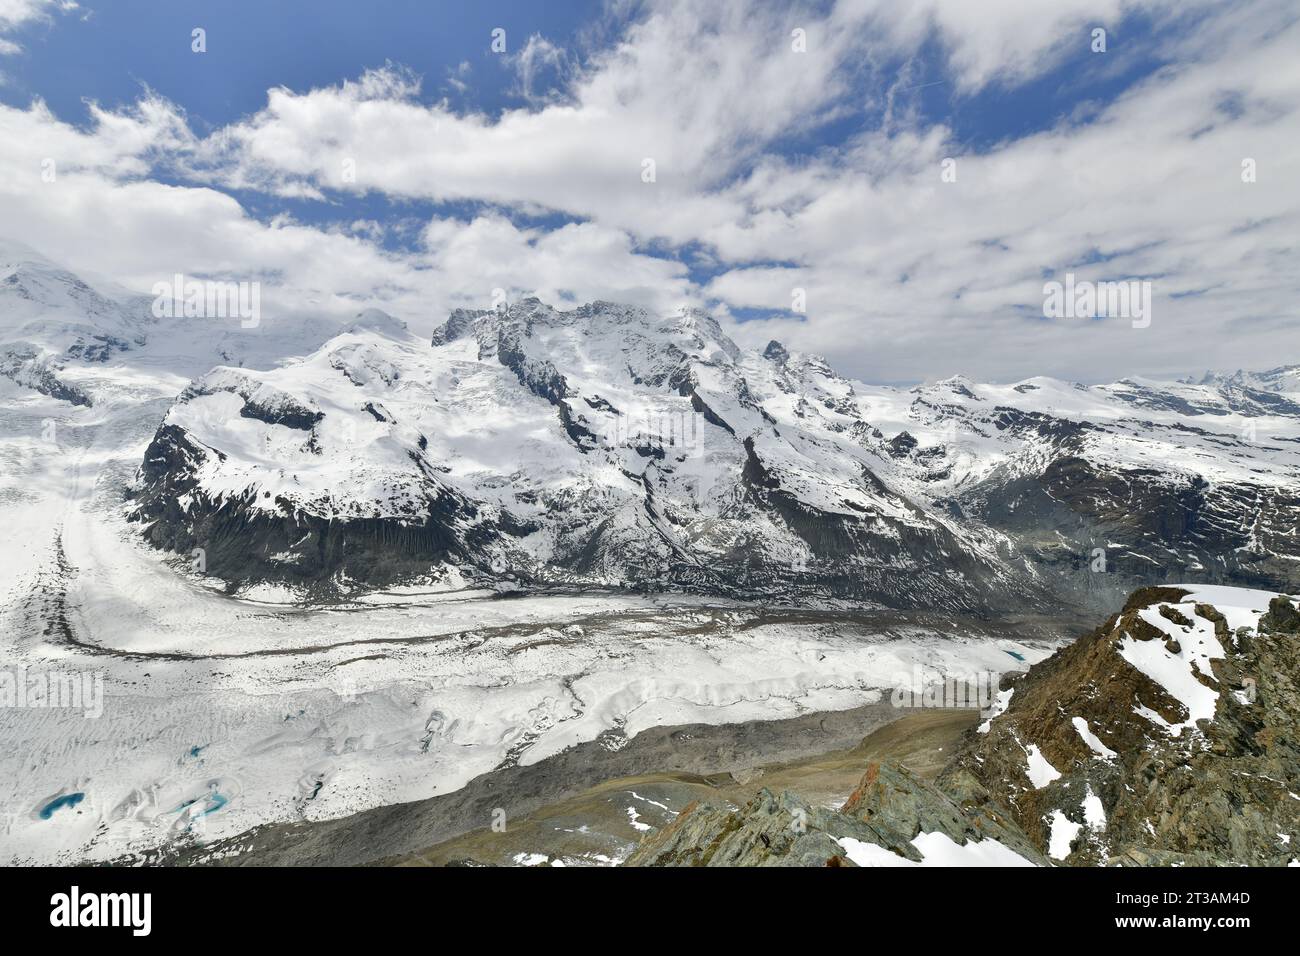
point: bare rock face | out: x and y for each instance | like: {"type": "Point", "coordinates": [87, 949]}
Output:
{"type": "Point", "coordinates": [1169, 734]}
{"type": "Point", "coordinates": [879, 825]}
{"type": "Point", "coordinates": [898, 806]}
{"type": "Point", "coordinates": [769, 831]}
{"type": "Point", "coordinates": [1282, 617]}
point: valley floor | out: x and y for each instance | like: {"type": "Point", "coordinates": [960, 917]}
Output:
{"type": "Point", "coordinates": [602, 824]}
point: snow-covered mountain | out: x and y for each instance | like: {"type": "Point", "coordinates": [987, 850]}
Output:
{"type": "Point", "coordinates": [608, 446]}
{"type": "Point", "coordinates": [1132, 482]}
{"type": "Point", "coordinates": [64, 334]}
{"type": "Point", "coordinates": [543, 451]}
{"type": "Point", "coordinates": [1285, 378]}
{"type": "Point", "coordinates": [50, 317]}
{"type": "Point", "coordinates": [605, 446]}
{"type": "Point", "coordinates": [601, 446]}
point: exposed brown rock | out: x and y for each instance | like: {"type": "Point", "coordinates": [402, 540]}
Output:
{"type": "Point", "coordinates": [1223, 792]}
{"type": "Point", "coordinates": [1219, 793]}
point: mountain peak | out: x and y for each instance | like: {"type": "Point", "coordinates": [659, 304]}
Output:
{"type": "Point", "coordinates": [377, 320]}
{"type": "Point", "coordinates": [1189, 682]}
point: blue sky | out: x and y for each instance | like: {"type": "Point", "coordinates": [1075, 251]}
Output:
{"type": "Point", "coordinates": [111, 52]}
{"type": "Point", "coordinates": [252, 46]}
{"type": "Point", "coordinates": [776, 169]}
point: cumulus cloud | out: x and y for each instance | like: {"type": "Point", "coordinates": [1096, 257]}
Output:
{"type": "Point", "coordinates": [87, 198]}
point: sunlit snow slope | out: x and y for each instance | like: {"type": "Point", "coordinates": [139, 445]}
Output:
{"type": "Point", "coordinates": [606, 445]}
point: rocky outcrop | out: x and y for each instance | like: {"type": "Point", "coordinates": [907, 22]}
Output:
{"type": "Point", "coordinates": [892, 818]}
{"type": "Point", "coordinates": [1167, 737]}
{"type": "Point", "coordinates": [243, 542]}
{"type": "Point", "coordinates": [770, 831]}
{"type": "Point", "coordinates": [1149, 525]}
{"type": "Point", "coordinates": [1169, 733]}
{"type": "Point", "coordinates": [39, 374]}
{"type": "Point", "coordinates": [260, 402]}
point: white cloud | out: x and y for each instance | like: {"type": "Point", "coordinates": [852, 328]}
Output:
{"type": "Point", "coordinates": [18, 13]}
{"type": "Point", "coordinates": [906, 276]}
{"type": "Point", "coordinates": [579, 261]}
{"type": "Point", "coordinates": [538, 56]}
{"type": "Point", "coordinates": [103, 214]}
{"type": "Point", "coordinates": [120, 143]}
{"type": "Point", "coordinates": [458, 78]}
{"type": "Point", "coordinates": [1155, 185]}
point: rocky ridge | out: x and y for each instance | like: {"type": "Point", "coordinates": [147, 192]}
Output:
{"type": "Point", "coordinates": [1165, 737]}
